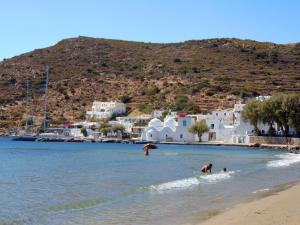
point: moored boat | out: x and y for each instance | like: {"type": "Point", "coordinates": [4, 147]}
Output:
{"type": "Point", "coordinates": [25, 136]}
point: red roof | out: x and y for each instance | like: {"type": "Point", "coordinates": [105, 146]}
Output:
{"type": "Point", "coordinates": [181, 114]}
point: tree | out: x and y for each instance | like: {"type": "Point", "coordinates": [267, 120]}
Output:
{"type": "Point", "coordinates": [125, 99]}
{"type": "Point", "coordinates": [118, 128]}
{"type": "Point", "coordinates": [199, 128]}
{"type": "Point", "coordinates": [252, 113]}
{"type": "Point", "coordinates": [83, 131]}
{"type": "Point", "coordinates": [283, 110]}
{"type": "Point", "coordinates": [294, 115]}
{"type": "Point", "coordinates": [268, 109]}
{"type": "Point", "coordinates": [152, 90]}
{"type": "Point", "coordinates": [105, 128]}
{"type": "Point", "coordinates": [182, 103]}
{"type": "Point", "coordinates": [282, 105]}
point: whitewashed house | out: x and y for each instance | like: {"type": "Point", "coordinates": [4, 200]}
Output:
{"type": "Point", "coordinates": [172, 129]}
{"type": "Point", "coordinates": [92, 129]}
{"type": "Point", "coordinates": [105, 110]}
{"type": "Point", "coordinates": [228, 126]}
{"type": "Point", "coordinates": [130, 121]}
{"type": "Point", "coordinates": [263, 98]}
{"type": "Point", "coordinates": [157, 113]}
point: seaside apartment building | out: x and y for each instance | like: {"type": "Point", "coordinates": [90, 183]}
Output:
{"type": "Point", "coordinates": [105, 110]}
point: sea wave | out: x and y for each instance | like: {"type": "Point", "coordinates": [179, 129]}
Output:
{"type": "Point", "coordinates": [177, 184]}
{"type": "Point", "coordinates": [261, 190]}
{"type": "Point", "coordinates": [213, 178]}
{"type": "Point", "coordinates": [192, 181]}
{"type": "Point", "coordinates": [284, 160]}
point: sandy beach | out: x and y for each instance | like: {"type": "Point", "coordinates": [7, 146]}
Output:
{"type": "Point", "coordinates": [279, 208]}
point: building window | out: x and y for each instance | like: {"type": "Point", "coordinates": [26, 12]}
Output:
{"type": "Point", "coordinates": [150, 135]}
{"type": "Point", "coordinates": [181, 136]}
{"type": "Point", "coordinates": [224, 114]}
{"type": "Point", "coordinates": [216, 114]}
{"type": "Point", "coordinates": [184, 123]}
{"type": "Point", "coordinates": [212, 126]}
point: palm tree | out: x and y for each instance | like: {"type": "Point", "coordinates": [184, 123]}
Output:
{"type": "Point", "coordinates": [199, 128]}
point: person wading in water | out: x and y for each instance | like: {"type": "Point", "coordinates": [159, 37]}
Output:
{"type": "Point", "coordinates": [146, 150]}
{"type": "Point", "coordinates": [207, 168]}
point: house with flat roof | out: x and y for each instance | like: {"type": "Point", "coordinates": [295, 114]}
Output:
{"type": "Point", "coordinates": [105, 110]}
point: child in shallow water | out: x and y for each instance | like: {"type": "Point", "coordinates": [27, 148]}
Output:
{"type": "Point", "coordinates": [224, 170]}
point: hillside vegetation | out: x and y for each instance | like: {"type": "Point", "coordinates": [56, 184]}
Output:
{"type": "Point", "coordinates": [193, 76]}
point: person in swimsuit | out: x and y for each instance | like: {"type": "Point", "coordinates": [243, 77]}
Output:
{"type": "Point", "coordinates": [146, 150]}
{"type": "Point", "coordinates": [207, 168]}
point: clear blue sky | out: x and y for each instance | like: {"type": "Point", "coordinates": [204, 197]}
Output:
{"type": "Point", "coordinates": [31, 24]}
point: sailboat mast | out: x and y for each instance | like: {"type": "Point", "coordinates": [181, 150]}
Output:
{"type": "Point", "coordinates": [46, 99]}
{"type": "Point", "coordinates": [27, 93]}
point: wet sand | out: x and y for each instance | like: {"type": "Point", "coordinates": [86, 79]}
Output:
{"type": "Point", "coordinates": [275, 208]}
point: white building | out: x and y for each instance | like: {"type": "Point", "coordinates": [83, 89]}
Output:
{"type": "Point", "coordinates": [263, 98]}
{"type": "Point", "coordinates": [172, 129]}
{"type": "Point", "coordinates": [228, 126]}
{"type": "Point", "coordinates": [157, 113]}
{"type": "Point", "coordinates": [92, 129]}
{"type": "Point", "coordinates": [106, 109]}
{"type": "Point", "coordinates": [129, 121]}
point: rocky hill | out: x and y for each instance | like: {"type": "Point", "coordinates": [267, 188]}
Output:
{"type": "Point", "coordinates": [194, 76]}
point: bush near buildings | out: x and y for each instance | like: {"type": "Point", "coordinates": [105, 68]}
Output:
{"type": "Point", "coordinates": [184, 104]}
{"type": "Point", "coordinates": [106, 128]}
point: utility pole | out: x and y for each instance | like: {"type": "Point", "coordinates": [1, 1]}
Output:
{"type": "Point", "coordinates": [46, 100]}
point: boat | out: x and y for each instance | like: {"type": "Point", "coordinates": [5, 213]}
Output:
{"type": "Point", "coordinates": [108, 140]}
{"type": "Point", "coordinates": [46, 135]}
{"type": "Point", "coordinates": [25, 136]}
{"type": "Point", "coordinates": [142, 142]}
{"type": "Point", "coordinates": [52, 136]}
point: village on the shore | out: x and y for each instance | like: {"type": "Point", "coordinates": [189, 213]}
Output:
{"type": "Point", "coordinates": [107, 122]}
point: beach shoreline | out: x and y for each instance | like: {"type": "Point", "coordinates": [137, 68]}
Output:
{"type": "Point", "coordinates": [279, 206]}
{"type": "Point", "coordinates": [280, 147]}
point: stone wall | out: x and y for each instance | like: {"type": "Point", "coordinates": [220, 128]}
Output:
{"type": "Point", "coordinates": [274, 140]}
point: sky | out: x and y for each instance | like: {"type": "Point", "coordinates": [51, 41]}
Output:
{"type": "Point", "coordinates": [31, 24]}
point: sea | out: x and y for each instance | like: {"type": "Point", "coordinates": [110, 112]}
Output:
{"type": "Point", "coordinates": [48, 183]}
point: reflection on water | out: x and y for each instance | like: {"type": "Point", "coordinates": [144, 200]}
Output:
{"type": "Point", "coordinates": [97, 183]}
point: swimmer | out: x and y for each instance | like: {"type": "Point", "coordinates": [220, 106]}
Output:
{"type": "Point", "coordinates": [207, 168]}
{"type": "Point", "coordinates": [146, 150]}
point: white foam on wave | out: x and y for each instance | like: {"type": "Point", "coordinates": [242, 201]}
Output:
{"type": "Point", "coordinates": [192, 181]}
{"type": "Point", "coordinates": [261, 190]}
{"type": "Point", "coordinates": [177, 184]}
{"type": "Point", "coordinates": [284, 160]}
{"type": "Point", "coordinates": [213, 178]}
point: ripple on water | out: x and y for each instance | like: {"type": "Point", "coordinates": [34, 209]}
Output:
{"type": "Point", "coordinates": [78, 205]}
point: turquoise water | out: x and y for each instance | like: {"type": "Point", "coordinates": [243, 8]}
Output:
{"type": "Point", "coordinates": [98, 183]}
